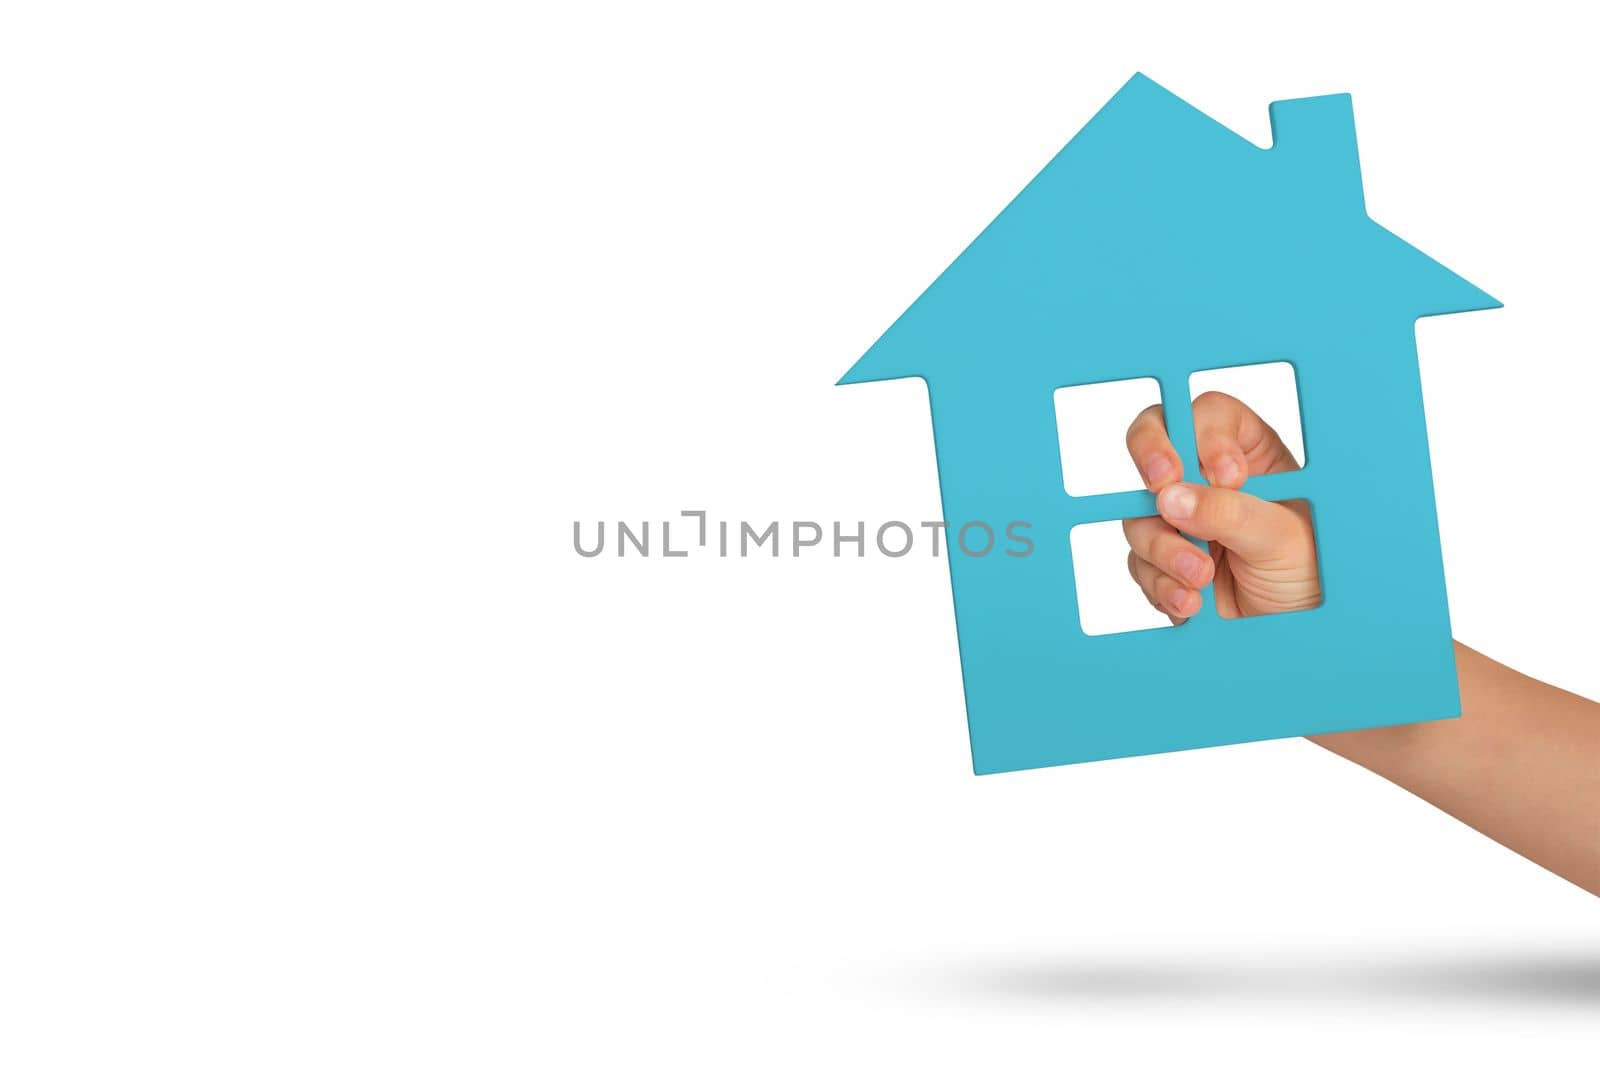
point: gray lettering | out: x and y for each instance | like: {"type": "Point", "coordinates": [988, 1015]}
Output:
{"type": "Point", "coordinates": [642, 547]}
{"type": "Point", "coordinates": [859, 537]}
{"type": "Point", "coordinates": [798, 544]}
{"type": "Point", "coordinates": [666, 541]}
{"type": "Point", "coordinates": [988, 531]}
{"type": "Point", "coordinates": [884, 549]}
{"type": "Point", "coordinates": [578, 544]}
{"type": "Point", "coordinates": [746, 531]}
{"type": "Point", "coordinates": [702, 517]}
{"type": "Point", "coordinates": [1027, 543]}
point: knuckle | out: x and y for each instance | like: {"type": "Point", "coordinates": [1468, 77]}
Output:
{"type": "Point", "coordinates": [1173, 550]}
{"type": "Point", "coordinates": [1213, 402]}
{"type": "Point", "coordinates": [1226, 511]}
{"type": "Point", "coordinates": [1146, 422]}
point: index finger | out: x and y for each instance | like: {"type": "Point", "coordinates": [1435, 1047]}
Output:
{"type": "Point", "coordinates": [1152, 450]}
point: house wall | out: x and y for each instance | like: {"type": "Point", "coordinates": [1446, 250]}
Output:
{"type": "Point", "coordinates": [1377, 651]}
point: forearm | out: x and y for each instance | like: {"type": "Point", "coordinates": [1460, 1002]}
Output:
{"type": "Point", "coordinates": [1522, 765]}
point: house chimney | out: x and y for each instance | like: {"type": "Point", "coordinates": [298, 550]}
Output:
{"type": "Point", "coordinates": [1315, 138]}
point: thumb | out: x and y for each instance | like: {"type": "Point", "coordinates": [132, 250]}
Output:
{"type": "Point", "coordinates": [1259, 531]}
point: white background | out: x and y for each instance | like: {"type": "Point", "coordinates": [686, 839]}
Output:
{"type": "Point", "coordinates": [320, 324]}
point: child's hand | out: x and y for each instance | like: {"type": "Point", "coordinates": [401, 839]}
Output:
{"type": "Point", "coordinates": [1519, 765]}
{"type": "Point", "coordinates": [1262, 557]}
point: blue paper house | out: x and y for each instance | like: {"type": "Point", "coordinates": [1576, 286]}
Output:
{"type": "Point", "coordinates": [1158, 243]}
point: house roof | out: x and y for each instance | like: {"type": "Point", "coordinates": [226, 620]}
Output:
{"type": "Point", "coordinates": [1155, 213]}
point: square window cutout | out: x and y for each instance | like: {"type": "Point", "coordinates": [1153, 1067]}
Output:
{"type": "Point", "coordinates": [1092, 428]}
{"type": "Point", "coordinates": [1109, 600]}
{"type": "Point", "coordinates": [1268, 389]}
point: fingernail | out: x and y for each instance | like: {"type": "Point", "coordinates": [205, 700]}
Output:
{"type": "Point", "coordinates": [1189, 567]}
{"type": "Point", "coordinates": [1178, 602]}
{"type": "Point", "coordinates": [1157, 469]}
{"type": "Point", "coordinates": [1228, 472]}
{"type": "Point", "coordinates": [1178, 501]}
